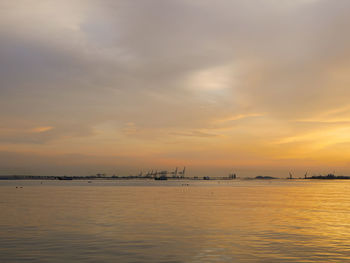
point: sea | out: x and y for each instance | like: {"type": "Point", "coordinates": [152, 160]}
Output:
{"type": "Point", "coordinates": [175, 221]}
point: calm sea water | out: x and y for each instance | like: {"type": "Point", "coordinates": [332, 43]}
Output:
{"type": "Point", "coordinates": [168, 221]}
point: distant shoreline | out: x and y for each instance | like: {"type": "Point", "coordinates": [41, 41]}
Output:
{"type": "Point", "coordinates": [204, 178]}
{"type": "Point", "coordinates": [38, 177]}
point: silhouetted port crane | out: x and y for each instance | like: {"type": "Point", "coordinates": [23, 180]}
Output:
{"type": "Point", "coordinates": [183, 171]}
{"type": "Point", "coordinates": [174, 173]}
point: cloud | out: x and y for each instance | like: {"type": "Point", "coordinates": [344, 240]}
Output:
{"type": "Point", "coordinates": [121, 74]}
{"type": "Point", "coordinates": [42, 129]}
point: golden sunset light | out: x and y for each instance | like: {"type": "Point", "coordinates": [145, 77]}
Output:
{"type": "Point", "coordinates": [174, 131]}
{"type": "Point", "coordinates": [129, 85]}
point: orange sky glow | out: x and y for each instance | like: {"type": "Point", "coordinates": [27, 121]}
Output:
{"type": "Point", "coordinates": [252, 87]}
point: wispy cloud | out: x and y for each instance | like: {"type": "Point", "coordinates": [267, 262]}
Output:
{"type": "Point", "coordinates": [239, 117]}
{"type": "Point", "coordinates": [42, 129]}
{"type": "Point", "coordinates": [258, 77]}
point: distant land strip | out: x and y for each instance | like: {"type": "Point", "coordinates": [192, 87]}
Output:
{"type": "Point", "coordinates": [162, 177]}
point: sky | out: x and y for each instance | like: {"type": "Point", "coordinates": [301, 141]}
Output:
{"type": "Point", "coordinates": [258, 87]}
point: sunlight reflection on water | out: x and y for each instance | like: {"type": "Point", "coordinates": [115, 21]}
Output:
{"type": "Point", "coordinates": [153, 221]}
